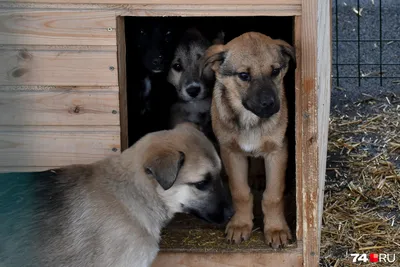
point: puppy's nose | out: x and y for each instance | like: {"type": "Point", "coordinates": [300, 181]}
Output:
{"type": "Point", "coordinates": [158, 60]}
{"type": "Point", "coordinates": [267, 102]}
{"type": "Point", "coordinates": [193, 91]}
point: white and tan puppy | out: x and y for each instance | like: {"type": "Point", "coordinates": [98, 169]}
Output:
{"type": "Point", "coordinates": [110, 213]}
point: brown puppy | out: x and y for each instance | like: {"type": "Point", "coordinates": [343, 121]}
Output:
{"type": "Point", "coordinates": [249, 119]}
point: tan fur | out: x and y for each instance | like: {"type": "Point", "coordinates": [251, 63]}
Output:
{"type": "Point", "coordinates": [111, 212]}
{"type": "Point", "coordinates": [243, 134]}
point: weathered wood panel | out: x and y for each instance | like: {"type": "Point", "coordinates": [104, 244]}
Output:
{"type": "Point", "coordinates": [56, 146]}
{"type": "Point", "coordinates": [73, 48]}
{"type": "Point", "coordinates": [167, 2]}
{"type": "Point", "coordinates": [64, 107]}
{"type": "Point", "coordinates": [313, 106]}
{"type": "Point", "coordinates": [290, 258]}
{"type": "Point", "coordinates": [48, 88]}
{"type": "Point", "coordinates": [262, 8]}
{"type": "Point", "coordinates": [324, 65]}
{"type": "Point", "coordinates": [298, 133]}
{"type": "Point", "coordinates": [32, 67]}
{"type": "Point", "coordinates": [57, 27]}
{"type": "Point", "coordinates": [210, 10]}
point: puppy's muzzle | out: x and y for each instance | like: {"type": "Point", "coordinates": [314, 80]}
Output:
{"type": "Point", "coordinates": [193, 90]}
{"type": "Point", "coordinates": [158, 64]}
{"type": "Point", "coordinates": [263, 107]}
{"type": "Point", "coordinates": [158, 60]}
{"type": "Point", "coordinates": [261, 99]}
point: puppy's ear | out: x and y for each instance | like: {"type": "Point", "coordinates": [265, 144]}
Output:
{"type": "Point", "coordinates": [211, 61]}
{"type": "Point", "coordinates": [165, 167]}
{"type": "Point", "coordinates": [288, 51]}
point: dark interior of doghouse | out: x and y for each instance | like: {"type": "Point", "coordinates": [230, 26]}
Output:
{"type": "Point", "coordinates": [185, 232]}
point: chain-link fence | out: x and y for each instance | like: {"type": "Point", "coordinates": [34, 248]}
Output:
{"type": "Point", "coordinates": [366, 43]}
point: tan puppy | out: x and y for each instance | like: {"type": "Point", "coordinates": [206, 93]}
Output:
{"type": "Point", "coordinates": [249, 119]}
{"type": "Point", "coordinates": [111, 212]}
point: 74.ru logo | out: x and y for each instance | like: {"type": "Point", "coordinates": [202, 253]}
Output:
{"type": "Point", "coordinates": [374, 257]}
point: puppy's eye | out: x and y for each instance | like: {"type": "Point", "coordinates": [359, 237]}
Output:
{"type": "Point", "coordinates": [275, 71]}
{"type": "Point", "coordinates": [177, 67]}
{"type": "Point", "coordinates": [202, 185]}
{"type": "Point", "coordinates": [244, 76]}
{"type": "Point", "coordinates": [148, 171]}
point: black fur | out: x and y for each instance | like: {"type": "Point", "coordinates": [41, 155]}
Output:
{"type": "Point", "coordinates": [146, 40]}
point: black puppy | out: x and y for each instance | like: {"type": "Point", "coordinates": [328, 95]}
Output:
{"type": "Point", "coordinates": [150, 46]}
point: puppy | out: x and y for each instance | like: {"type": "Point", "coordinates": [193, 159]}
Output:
{"type": "Point", "coordinates": [194, 92]}
{"type": "Point", "coordinates": [149, 95]}
{"type": "Point", "coordinates": [249, 119]}
{"type": "Point", "coordinates": [110, 213]}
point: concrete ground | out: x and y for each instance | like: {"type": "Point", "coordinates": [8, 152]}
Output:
{"type": "Point", "coordinates": [366, 23]}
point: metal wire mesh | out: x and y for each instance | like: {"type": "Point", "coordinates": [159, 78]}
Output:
{"type": "Point", "coordinates": [366, 51]}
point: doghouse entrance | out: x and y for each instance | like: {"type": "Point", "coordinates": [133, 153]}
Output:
{"type": "Point", "coordinates": [187, 233]}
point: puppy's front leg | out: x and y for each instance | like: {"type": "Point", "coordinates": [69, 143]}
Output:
{"type": "Point", "coordinates": [241, 224]}
{"type": "Point", "coordinates": [276, 230]}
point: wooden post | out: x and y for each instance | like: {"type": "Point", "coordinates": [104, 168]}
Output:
{"type": "Point", "coordinates": [312, 115]}
{"type": "Point", "coordinates": [123, 99]}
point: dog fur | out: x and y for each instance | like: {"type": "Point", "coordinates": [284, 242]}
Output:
{"type": "Point", "coordinates": [194, 92]}
{"type": "Point", "coordinates": [249, 118]}
{"type": "Point", "coordinates": [110, 213]}
{"type": "Point", "coordinates": [151, 46]}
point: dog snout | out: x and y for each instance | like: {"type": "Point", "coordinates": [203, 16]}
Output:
{"type": "Point", "coordinates": [193, 90]}
{"type": "Point", "coordinates": [267, 102]}
{"type": "Point", "coordinates": [263, 104]}
{"type": "Point", "coordinates": [158, 60]}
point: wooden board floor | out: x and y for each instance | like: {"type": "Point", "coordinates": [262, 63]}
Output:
{"type": "Point", "coordinates": [186, 233]}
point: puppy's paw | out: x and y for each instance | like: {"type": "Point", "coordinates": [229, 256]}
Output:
{"type": "Point", "coordinates": [238, 230]}
{"type": "Point", "coordinates": [277, 236]}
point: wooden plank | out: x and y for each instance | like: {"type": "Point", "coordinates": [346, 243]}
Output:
{"type": "Point", "coordinates": [324, 71]}
{"type": "Point", "coordinates": [168, 2]}
{"type": "Point", "coordinates": [210, 10]}
{"type": "Point", "coordinates": [73, 48]}
{"type": "Point", "coordinates": [314, 45]}
{"type": "Point", "coordinates": [298, 132]}
{"type": "Point", "coordinates": [274, 259]}
{"type": "Point", "coordinates": [47, 88]}
{"type": "Point", "coordinates": [63, 107]}
{"type": "Point", "coordinates": [56, 146]}
{"type": "Point", "coordinates": [264, 8]}
{"type": "Point", "coordinates": [122, 83]}
{"type": "Point", "coordinates": [160, 9]}
{"type": "Point", "coordinates": [57, 27]}
{"type": "Point", "coordinates": [25, 67]}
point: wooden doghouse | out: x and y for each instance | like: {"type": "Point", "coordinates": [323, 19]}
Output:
{"type": "Point", "coordinates": [63, 97]}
